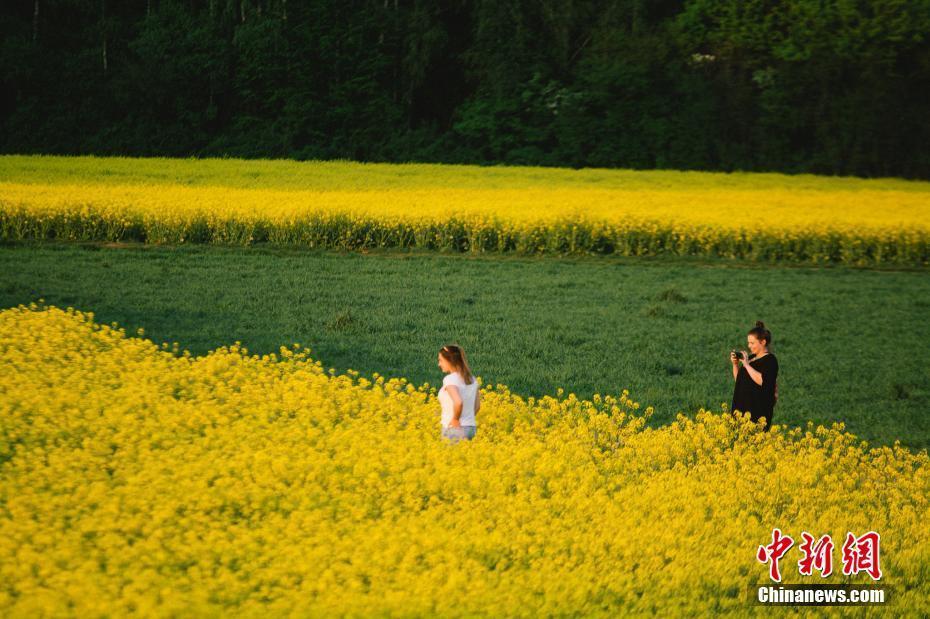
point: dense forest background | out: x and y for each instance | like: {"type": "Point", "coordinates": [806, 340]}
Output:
{"type": "Point", "coordinates": [822, 86]}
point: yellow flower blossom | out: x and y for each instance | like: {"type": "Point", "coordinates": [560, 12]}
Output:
{"type": "Point", "coordinates": [137, 480]}
{"type": "Point", "coordinates": [626, 213]}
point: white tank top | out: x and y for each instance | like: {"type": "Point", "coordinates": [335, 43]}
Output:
{"type": "Point", "coordinates": [468, 393]}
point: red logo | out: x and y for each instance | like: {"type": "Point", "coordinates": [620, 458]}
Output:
{"type": "Point", "coordinates": [860, 554]}
{"type": "Point", "coordinates": [817, 556]}
{"type": "Point", "coordinates": [773, 552]}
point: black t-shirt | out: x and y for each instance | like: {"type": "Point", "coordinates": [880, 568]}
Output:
{"type": "Point", "coordinates": [758, 400]}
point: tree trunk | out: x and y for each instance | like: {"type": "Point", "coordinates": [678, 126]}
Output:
{"type": "Point", "coordinates": [103, 28]}
{"type": "Point", "coordinates": [381, 34]}
{"type": "Point", "coordinates": [35, 22]}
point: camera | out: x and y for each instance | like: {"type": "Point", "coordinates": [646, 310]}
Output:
{"type": "Point", "coordinates": [737, 354]}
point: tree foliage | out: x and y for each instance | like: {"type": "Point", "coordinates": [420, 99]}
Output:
{"type": "Point", "coordinates": [823, 86]}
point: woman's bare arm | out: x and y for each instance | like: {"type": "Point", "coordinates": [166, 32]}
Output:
{"type": "Point", "coordinates": [456, 402]}
{"type": "Point", "coordinates": [754, 374]}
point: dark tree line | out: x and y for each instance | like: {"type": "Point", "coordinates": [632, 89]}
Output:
{"type": "Point", "coordinates": [822, 86]}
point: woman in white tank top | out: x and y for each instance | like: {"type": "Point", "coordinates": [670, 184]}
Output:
{"type": "Point", "coordinates": [459, 396]}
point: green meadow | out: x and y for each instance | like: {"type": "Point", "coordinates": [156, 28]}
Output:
{"type": "Point", "coordinates": [849, 341]}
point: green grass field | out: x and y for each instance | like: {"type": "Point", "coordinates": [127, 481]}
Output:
{"type": "Point", "coordinates": [849, 341]}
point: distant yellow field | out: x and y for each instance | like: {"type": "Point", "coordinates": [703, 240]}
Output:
{"type": "Point", "coordinates": [140, 480]}
{"type": "Point", "coordinates": [525, 210]}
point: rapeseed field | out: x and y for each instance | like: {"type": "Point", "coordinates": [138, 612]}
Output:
{"type": "Point", "coordinates": [759, 217]}
{"type": "Point", "coordinates": [135, 477]}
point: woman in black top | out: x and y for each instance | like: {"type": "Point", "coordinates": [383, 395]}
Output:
{"type": "Point", "coordinates": [755, 376]}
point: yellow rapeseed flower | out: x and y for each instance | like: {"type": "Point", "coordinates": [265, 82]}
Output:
{"type": "Point", "coordinates": [135, 480]}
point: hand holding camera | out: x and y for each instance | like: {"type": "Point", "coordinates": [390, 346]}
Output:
{"type": "Point", "coordinates": [736, 356]}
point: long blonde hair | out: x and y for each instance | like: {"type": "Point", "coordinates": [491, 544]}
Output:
{"type": "Point", "coordinates": [456, 358]}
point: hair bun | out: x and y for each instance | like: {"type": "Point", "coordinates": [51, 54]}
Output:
{"type": "Point", "coordinates": [760, 324]}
